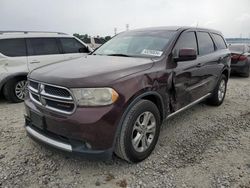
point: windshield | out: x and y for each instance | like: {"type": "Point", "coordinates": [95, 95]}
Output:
{"type": "Point", "coordinates": [237, 48]}
{"type": "Point", "coordinates": [137, 44]}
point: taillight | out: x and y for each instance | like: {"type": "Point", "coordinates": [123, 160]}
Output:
{"type": "Point", "coordinates": [242, 58]}
{"type": "Point", "coordinates": [239, 57]}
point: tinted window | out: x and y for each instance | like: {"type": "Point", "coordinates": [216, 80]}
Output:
{"type": "Point", "coordinates": [186, 40]}
{"type": "Point", "coordinates": [42, 46]}
{"type": "Point", "coordinates": [71, 45]}
{"type": "Point", "coordinates": [13, 47]}
{"type": "Point", "coordinates": [219, 41]}
{"type": "Point", "coordinates": [205, 43]}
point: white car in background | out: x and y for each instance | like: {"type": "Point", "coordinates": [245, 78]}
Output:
{"type": "Point", "coordinates": [23, 51]}
{"type": "Point", "coordinates": [94, 42]}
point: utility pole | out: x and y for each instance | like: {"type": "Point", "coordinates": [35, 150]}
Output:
{"type": "Point", "coordinates": [115, 30]}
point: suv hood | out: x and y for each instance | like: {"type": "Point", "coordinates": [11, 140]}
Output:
{"type": "Point", "coordinates": [89, 71]}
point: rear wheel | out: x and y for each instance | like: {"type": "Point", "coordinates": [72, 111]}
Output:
{"type": "Point", "coordinates": [219, 93]}
{"type": "Point", "coordinates": [139, 133]}
{"type": "Point", "coordinates": [15, 90]}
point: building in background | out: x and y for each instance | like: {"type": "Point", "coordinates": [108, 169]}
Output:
{"type": "Point", "coordinates": [238, 40]}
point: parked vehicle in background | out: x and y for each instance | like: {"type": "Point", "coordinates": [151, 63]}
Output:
{"type": "Point", "coordinates": [116, 99]}
{"type": "Point", "coordinates": [94, 42]}
{"type": "Point", "coordinates": [240, 62]}
{"type": "Point", "coordinates": [23, 51]}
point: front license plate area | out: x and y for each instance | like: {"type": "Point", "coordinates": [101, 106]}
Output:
{"type": "Point", "coordinates": [37, 120]}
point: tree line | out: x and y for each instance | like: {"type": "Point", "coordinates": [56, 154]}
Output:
{"type": "Point", "coordinates": [86, 37]}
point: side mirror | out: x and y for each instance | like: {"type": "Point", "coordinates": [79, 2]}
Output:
{"type": "Point", "coordinates": [186, 54]}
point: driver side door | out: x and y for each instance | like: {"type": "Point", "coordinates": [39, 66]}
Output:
{"type": "Point", "coordinates": [187, 76]}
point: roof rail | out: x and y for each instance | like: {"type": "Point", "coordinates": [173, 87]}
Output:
{"type": "Point", "coordinates": [26, 32]}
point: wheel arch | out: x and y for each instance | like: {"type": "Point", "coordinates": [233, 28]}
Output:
{"type": "Point", "coordinates": [10, 77]}
{"type": "Point", "coordinates": [226, 72]}
{"type": "Point", "coordinates": [152, 96]}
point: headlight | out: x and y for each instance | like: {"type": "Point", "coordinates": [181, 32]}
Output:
{"type": "Point", "coordinates": [95, 96]}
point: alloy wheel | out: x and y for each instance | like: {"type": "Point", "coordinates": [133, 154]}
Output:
{"type": "Point", "coordinates": [20, 89]}
{"type": "Point", "coordinates": [143, 131]}
{"type": "Point", "coordinates": [222, 90]}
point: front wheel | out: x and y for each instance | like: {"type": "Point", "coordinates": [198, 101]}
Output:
{"type": "Point", "coordinates": [139, 133]}
{"type": "Point", "coordinates": [15, 90]}
{"type": "Point", "coordinates": [219, 93]}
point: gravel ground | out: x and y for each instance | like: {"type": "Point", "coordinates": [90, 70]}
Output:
{"type": "Point", "coordinates": [202, 147]}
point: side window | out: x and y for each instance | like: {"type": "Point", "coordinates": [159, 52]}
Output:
{"type": "Point", "coordinates": [71, 45]}
{"type": "Point", "coordinates": [205, 43]}
{"type": "Point", "coordinates": [13, 47]}
{"type": "Point", "coordinates": [219, 41]}
{"type": "Point", "coordinates": [186, 40]}
{"type": "Point", "coordinates": [42, 46]}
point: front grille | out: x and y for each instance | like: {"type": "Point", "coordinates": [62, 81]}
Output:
{"type": "Point", "coordinates": [57, 91]}
{"type": "Point", "coordinates": [33, 85]}
{"type": "Point", "coordinates": [55, 98]}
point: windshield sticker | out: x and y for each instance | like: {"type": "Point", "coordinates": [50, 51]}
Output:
{"type": "Point", "coordinates": [152, 52]}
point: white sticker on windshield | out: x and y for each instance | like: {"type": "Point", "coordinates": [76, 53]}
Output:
{"type": "Point", "coordinates": [152, 52]}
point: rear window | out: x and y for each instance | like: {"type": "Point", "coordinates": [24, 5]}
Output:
{"type": "Point", "coordinates": [13, 47]}
{"type": "Point", "coordinates": [205, 43]}
{"type": "Point", "coordinates": [42, 46]}
{"type": "Point", "coordinates": [219, 41]}
{"type": "Point", "coordinates": [71, 45]}
{"type": "Point", "coordinates": [237, 48]}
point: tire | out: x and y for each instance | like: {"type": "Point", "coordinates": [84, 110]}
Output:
{"type": "Point", "coordinates": [217, 97]}
{"type": "Point", "coordinates": [125, 147]}
{"type": "Point", "coordinates": [11, 87]}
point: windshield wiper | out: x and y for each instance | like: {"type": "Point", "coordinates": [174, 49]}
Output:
{"type": "Point", "coordinates": [122, 55]}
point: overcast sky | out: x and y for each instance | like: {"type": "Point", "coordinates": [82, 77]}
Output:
{"type": "Point", "coordinates": [100, 17]}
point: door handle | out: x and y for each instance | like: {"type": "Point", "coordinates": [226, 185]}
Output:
{"type": "Point", "coordinates": [34, 61]}
{"type": "Point", "coordinates": [199, 65]}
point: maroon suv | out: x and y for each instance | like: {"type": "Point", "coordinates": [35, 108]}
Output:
{"type": "Point", "coordinates": [114, 100]}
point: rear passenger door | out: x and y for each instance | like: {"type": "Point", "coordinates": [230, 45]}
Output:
{"type": "Point", "coordinates": [72, 48]}
{"type": "Point", "coordinates": [209, 62]}
{"type": "Point", "coordinates": [43, 51]}
{"type": "Point", "coordinates": [222, 53]}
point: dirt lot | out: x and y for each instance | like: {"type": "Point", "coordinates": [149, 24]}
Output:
{"type": "Point", "coordinates": [202, 147]}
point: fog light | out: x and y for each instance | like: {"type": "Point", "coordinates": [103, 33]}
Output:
{"type": "Point", "coordinates": [88, 145]}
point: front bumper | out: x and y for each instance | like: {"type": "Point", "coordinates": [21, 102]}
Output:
{"type": "Point", "coordinates": [67, 147]}
{"type": "Point", "coordinates": [89, 134]}
{"type": "Point", "coordinates": [45, 139]}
